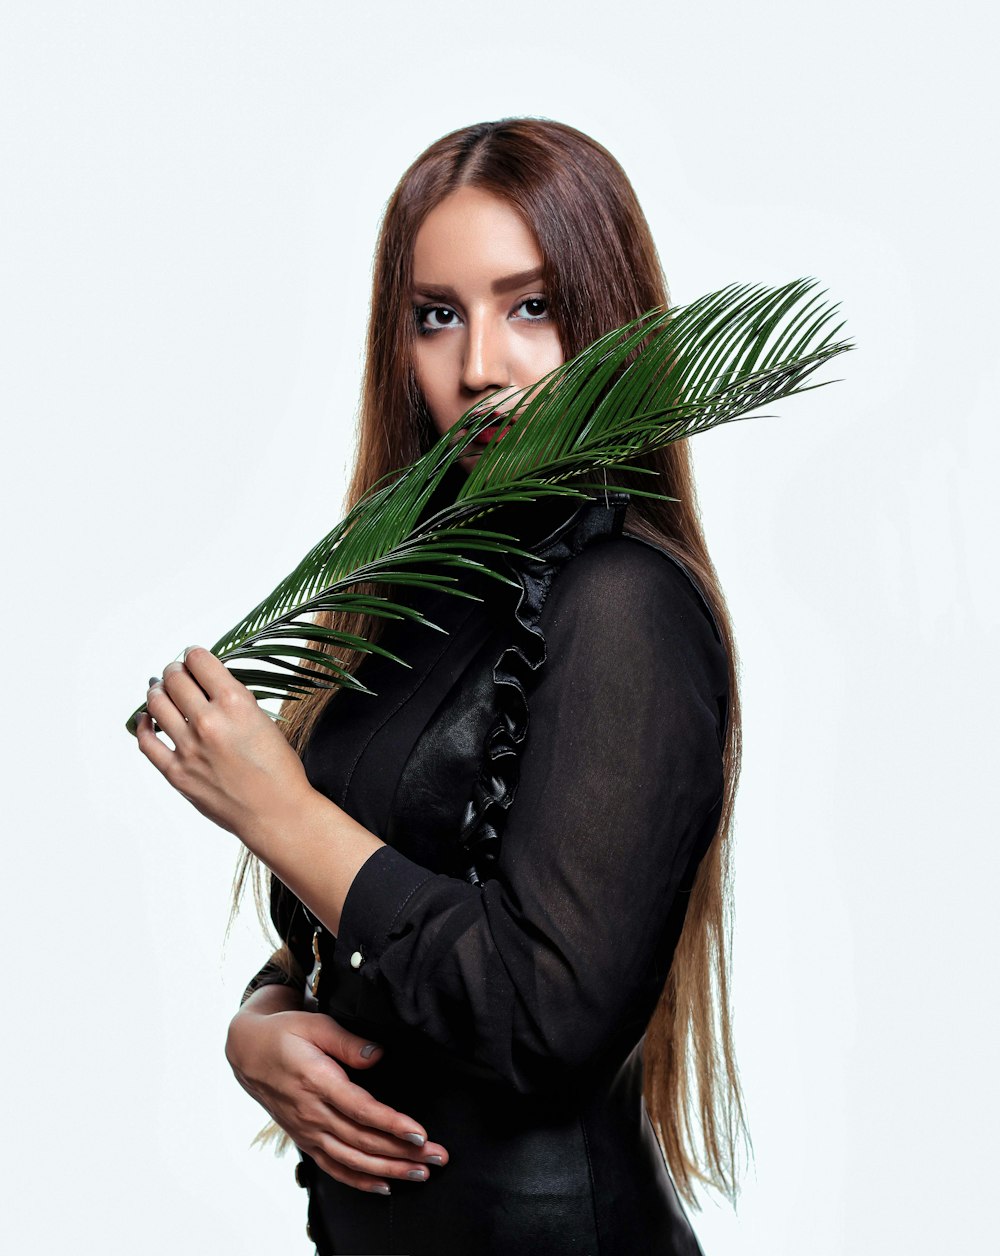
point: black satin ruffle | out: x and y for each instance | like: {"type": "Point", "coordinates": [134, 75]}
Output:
{"type": "Point", "coordinates": [515, 672]}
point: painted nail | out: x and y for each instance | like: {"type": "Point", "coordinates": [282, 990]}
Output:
{"type": "Point", "coordinates": [418, 1175]}
{"type": "Point", "coordinates": [382, 1188]}
{"type": "Point", "coordinates": [155, 680]}
{"type": "Point", "coordinates": [369, 1049]}
{"type": "Point", "coordinates": [435, 1160]}
{"type": "Point", "coordinates": [416, 1138]}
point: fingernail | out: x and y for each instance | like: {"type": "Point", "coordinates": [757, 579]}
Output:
{"type": "Point", "coordinates": [418, 1175]}
{"type": "Point", "coordinates": [188, 649]}
{"type": "Point", "coordinates": [382, 1188]}
{"type": "Point", "coordinates": [156, 680]}
{"type": "Point", "coordinates": [369, 1049]}
{"type": "Point", "coordinates": [435, 1160]}
{"type": "Point", "coordinates": [416, 1138]}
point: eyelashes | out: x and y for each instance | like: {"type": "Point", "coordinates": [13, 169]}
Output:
{"type": "Point", "coordinates": [421, 313]}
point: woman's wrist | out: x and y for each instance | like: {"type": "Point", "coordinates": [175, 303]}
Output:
{"type": "Point", "coordinates": [265, 1001]}
{"type": "Point", "coordinates": [268, 832]}
{"type": "Point", "coordinates": [276, 997]}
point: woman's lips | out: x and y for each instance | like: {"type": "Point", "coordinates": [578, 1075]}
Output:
{"type": "Point", "coordinates": [486, 435]}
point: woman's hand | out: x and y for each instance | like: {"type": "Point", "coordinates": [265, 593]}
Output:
{"type": "Point", "coordinates": [287, 1060]}
{"type": "Point", "coordinates": [229, 759]}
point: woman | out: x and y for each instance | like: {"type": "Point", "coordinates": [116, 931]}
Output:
{"type": "Point", "coordinates": [505, 874]}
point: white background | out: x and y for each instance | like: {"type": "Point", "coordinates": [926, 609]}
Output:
{"type": "Point", "coordinates": [190, 194]}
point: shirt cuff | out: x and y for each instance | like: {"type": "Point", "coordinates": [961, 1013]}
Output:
{"type": "Point", "coordinates": [381, 889]}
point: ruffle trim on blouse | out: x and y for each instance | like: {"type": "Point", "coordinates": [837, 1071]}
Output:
{"type": "Point", "coordinates": [515, 672]}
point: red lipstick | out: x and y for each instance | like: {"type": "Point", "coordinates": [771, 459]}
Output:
{"type": "Point", "coordinates": [483, 437]}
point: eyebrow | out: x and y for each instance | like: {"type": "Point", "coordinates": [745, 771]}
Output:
{"type": "Point", "coordinates": [520, 280]}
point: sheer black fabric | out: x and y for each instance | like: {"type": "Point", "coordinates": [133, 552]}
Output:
{"type": "Point", "coordinates": [562, 744]}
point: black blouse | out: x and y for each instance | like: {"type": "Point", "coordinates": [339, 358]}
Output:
{"type": "Point", "coordinates": [547, 776]}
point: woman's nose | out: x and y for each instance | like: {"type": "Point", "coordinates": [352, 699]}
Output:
{"type": "Point", "coordinates": [485, 365]}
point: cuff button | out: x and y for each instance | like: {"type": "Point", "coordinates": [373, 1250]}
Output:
{"type": "Point", "coordinates": [357, 959]}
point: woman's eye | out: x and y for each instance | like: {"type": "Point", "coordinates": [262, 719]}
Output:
{"type": "Point", "coordinates": [431, 318]}
{"type": "Point", "coordinates": [536, 308]}
{"type": "Point", "coordinates": [434, 317]}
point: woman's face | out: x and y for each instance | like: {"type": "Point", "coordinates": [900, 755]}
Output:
{"type": "Point", "coordinates": [481, 309]}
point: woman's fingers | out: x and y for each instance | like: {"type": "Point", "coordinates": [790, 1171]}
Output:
{"type": "Point", "coordinates": [333, 1039]}
{"type": "Point", "coordinates": [187, 688]}
{"type": "Point", "coordinates": [361, 1108]}
{"type": "Point", "coordinates": [214, 677]}
{"type": "Point", "coordinates": [155, 751]}
{"type": "Point", "coordinates": [360, 1181]}
{"type": "Point", "coordinates": [361, 1156]}
{"type": "Point", "coordinates": [161, 707]}
{"type": "Point", "coordinates": [376, 1167]}
{"type": "Point", "coordinates": [376, 1144]}
{"type": "Point", "coordinates": [185, 692]}
{"type": "Point", "coordinates": [365, 1122]}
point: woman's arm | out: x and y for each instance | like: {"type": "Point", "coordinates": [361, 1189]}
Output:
{"type": "Point", "coordinates": [234, 765]}
{"type": "Point", "coordinates": [553, 967]}
{"type": "Point", "coordinates": [532, 976]}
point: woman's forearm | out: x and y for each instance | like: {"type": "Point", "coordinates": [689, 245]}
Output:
{"type": "Point", "coordinates": [314, 848]}
{"type": "Point", "coordinates": [232, 763]}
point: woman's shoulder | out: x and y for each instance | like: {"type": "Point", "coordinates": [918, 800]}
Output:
{"type": "Point", "coordinates": [628, 577]}
{"type": "Point", "coordinates": [626, 609]}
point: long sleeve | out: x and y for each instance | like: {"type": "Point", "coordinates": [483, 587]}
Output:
{"type": "Point", "coordinates": [532, 977]}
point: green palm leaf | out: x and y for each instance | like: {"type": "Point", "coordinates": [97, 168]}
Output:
{"type": "Point", "coordinates": [662, 377]}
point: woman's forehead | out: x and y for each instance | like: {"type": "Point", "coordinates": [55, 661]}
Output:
{"type": "Point", "coordinates": [477, 239]}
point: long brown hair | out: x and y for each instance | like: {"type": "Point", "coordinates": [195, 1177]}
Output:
{"type": "Point", "coordinates": [601, 270]}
